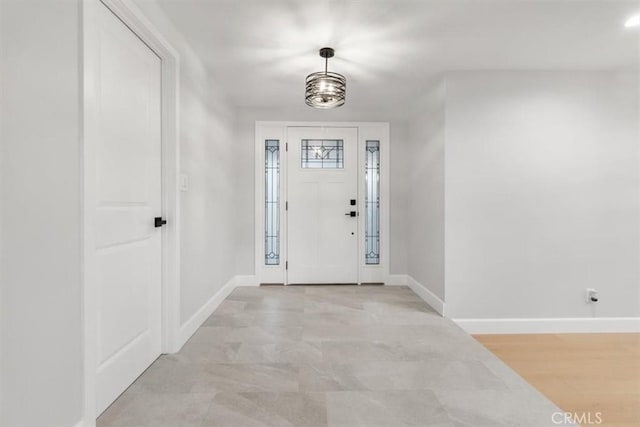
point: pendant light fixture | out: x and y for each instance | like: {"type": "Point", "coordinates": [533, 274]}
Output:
{"type": "Point", "coordinates": [325, 89]}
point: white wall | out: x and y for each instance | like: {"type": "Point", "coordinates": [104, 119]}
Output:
{"type": "Point", "coordinates": [425, 211]}
{"type": "Point", "coordinates": [207, 209]}
{"type": "Point", "coordinates": [40, 323]}
{"type": "Point", "coordinates": [541, 194]}
{"type": "Point", "coordinates": [207, 155]}
{"type": "Point", "coordinates": [400, 153]}
{"type": "Point", "coordinates": [244, 175]}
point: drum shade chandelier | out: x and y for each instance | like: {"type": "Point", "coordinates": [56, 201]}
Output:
{"type": "Point", "coordinates": [325, 89]}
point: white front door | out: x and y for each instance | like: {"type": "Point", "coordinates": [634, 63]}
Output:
{"type": "Point", "coordinates": [322, 187]}
{"type": "Point", "coordinates": [126, 104]}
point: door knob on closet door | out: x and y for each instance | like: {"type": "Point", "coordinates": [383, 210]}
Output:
{"type": "Point", "coordinates": [351, 214]}
{"type": "Point", "coordinates": [159, 222]}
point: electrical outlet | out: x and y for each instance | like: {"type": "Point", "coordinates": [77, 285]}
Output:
{"type": "Point", "coordinates": [592, 296]}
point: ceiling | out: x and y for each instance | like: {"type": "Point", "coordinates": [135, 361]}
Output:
{"type": "Point", "coordinates": [260, 50]}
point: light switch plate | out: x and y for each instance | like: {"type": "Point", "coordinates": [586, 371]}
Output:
{"type": "Point", "coordinates": [184, 182]}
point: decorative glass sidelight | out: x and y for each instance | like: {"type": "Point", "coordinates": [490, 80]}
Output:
{"type": "Point", "coordinates": [272, 202]}
{"type": "Point", "coordinates": [372, 203]}
{"type": "Point", "coordinates": [322, 154]}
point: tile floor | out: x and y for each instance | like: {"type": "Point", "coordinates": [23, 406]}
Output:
{"type": "Point", "coordinates": [329, 355]}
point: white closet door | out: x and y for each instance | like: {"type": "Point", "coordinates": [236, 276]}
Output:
{"type": "Point", "coordinates": [127, 198]}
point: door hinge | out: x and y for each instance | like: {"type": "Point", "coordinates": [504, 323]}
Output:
{"type": "Point", "coordinates": [286, 205]}
{"type": "Point", "coordinates": [286, 146]}
{"type": "Point", "coordinates": [286, 265]}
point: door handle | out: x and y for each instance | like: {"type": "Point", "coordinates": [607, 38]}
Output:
{"type": "Point", "coordinates": [159, 222]}
{"type": "Point", "coordinates": [351, 214]}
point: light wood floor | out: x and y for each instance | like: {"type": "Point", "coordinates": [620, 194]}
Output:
{"type": "Point", "coordinates": [578, 372]}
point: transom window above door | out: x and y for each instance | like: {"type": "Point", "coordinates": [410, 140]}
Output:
{"type": "Point", "coordinates": [322, 154]}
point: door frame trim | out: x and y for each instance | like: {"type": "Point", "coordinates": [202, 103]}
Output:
{"type": "Point", "coordinates": [133, 18]}
{"type": "Point", "coordinates": [278, 130]}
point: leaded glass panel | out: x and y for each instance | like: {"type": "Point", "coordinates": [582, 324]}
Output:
{"type": "Point", "coordinates": [372, 202]}
{"type": "Point", "coordinates": [272, 202]}
{"type": "Point", "coordinates": [322, 153]}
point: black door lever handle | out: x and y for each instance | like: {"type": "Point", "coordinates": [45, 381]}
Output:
{"type": "Point", "coordinates": [351, 214]}
{"type": "Point", "coordinates": [159, 222]}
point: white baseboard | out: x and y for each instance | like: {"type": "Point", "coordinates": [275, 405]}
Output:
{"type": "Point", "coordinates": [550, 325]}
{"type": "Point", "coordinates": [396, 280]}
{"type": "Point", "coordinates": [430, 298]}
{"type": "Point", "coordinates": [247, 281]}
{"type": "Point", "coordinates": [195, 321]}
